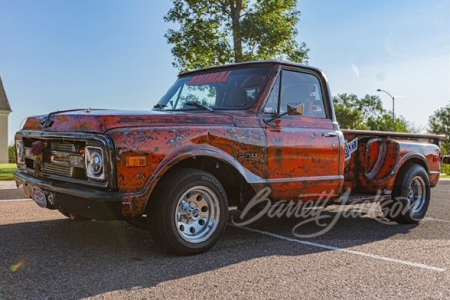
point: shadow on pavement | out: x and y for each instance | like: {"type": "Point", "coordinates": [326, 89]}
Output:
{"type": "Point", "coordinates": [60, 259]}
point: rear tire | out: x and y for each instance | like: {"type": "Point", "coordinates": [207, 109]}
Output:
{"type": "Point", "coordinates": [411, 196]}
{"type": "Point", "coordinates": [188, 211]}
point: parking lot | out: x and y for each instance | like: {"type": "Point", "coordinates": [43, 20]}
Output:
{"type": "Point", "coordinates": [43, 255]}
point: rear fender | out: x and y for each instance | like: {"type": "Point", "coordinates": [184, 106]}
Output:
{"type": "Point", "coordinates": [408, 158]}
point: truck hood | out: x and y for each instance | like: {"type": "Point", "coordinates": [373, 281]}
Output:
{"type": "Point", "coordinates": [100, 121]}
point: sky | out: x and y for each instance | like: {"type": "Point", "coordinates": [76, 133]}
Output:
{"type": "Point", "coordinates": [57, 55]}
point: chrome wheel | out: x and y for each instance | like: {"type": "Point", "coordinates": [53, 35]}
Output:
{"type": "Point", "coordinates": [410, 196]}
{"type": "Point", "coordinates": [197, 214]}
{"type": "Point", "coordinates": [417, 193]}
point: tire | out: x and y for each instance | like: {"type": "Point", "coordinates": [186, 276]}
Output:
{"type": "Point", "coordinates": [188, 211]}
{"type": "Point", "coordinates": [411, 196]}
{"type": "Point", "coordinates": [73, 217]}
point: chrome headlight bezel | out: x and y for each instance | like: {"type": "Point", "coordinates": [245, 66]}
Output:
{"type": "Point", "coordinates": [94, 163]}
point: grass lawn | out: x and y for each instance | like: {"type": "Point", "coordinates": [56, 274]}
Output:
{"type": "Point", "coordinates": [445, 176]}
{"type": "Point", "coordinates": [6, 171]}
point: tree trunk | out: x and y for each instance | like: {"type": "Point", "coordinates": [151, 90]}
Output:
{"type": "Point", "coordinates": [235, 6]}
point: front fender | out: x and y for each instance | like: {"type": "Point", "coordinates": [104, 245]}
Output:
{"type": "Point", "coordinates": [135, 206]}
{"type": "Point", "coordinates": [164, 148]}
{"type": "Point", "coordinates": [201, 151]}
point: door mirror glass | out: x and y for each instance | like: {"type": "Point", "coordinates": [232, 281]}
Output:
{"type": "Point", "coordinates": [298, 110]}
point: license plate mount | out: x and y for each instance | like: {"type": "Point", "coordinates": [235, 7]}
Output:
{"type": "Point", "coordinates": [39, 197]}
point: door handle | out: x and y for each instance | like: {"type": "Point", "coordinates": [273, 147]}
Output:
{"type": "Point", "coordinates": [329, 134]}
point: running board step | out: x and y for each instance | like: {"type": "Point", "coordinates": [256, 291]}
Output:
{"type": "Point", "coordinates": [358, 198]}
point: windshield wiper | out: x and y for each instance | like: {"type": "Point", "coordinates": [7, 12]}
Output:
{"type": "Point", "coordinates": [198, 105]}
{"type": "Point", "coordinates": [160, 106]}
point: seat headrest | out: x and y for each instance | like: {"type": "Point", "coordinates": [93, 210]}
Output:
{"type": "Point", "coordinates": [254, 81]}
{"type": "Point", "coordinates": [237, 98]}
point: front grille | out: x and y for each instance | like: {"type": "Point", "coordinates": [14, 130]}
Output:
{"type": "Point", "coordinates": [55, 169]}
{"type": "Point", "coordinates": [63, 147]}
{"type": "Point", "coordinates": [61, 159]}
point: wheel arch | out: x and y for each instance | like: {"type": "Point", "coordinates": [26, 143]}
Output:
{"type": "Point", "coordinates": [231, 174]}
{"type": "Point", "coordinates": [406, 162]}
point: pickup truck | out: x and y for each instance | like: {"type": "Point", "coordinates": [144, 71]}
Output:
{"type": "Point", "coordinates": [217, 138]}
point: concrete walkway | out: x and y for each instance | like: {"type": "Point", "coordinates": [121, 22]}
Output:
{"type": "Point", "coordinates": [7, 185]}
{"type": "Point", "coordinates": [9, 191]}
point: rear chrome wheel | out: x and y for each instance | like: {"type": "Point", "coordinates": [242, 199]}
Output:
{"type": "Point", "coordinates": [410, 197]}
{"type": "Point", "coordinates": [417, 193]}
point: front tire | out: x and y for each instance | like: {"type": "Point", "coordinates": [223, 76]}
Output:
{"type": "Point", "coordinates": [411, 196]}
{"type": "Point", "coordinates": [188, 211]}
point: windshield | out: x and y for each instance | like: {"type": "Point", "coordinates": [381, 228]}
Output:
{"type": "Point", "coordinates": [224, 89]}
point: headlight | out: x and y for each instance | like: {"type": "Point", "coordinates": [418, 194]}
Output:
{"type": "Point", "coordinates": [94, 163]}
{"type": "Point", "coordinates": [19, 152]}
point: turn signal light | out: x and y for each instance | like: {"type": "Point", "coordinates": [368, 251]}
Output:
{"type": "Point", "coordinates": [136, 161]}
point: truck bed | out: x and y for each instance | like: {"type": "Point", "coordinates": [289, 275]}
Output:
{"type": "Point", "coordinates": [374, 158]}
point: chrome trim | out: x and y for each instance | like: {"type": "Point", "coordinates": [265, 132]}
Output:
{"type": "Point", "coordinates": [86, 157]}
{"type": "Point", "coordinates": [91, 140]}
{"type": "Point", "coordinates": [55, 169]}
{"type": "Point", "coordinates": [54, 160]}
{"type": "Point", "coordinates": [63, 147]}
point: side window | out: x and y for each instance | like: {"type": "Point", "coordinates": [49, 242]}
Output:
{"type": "Point", "coordinates": [297, 88]}
{"type": "Point", "coordinates": [272, 104]}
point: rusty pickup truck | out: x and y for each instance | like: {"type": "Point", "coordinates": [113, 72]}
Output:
{"type": "Point", "coordinates": [216, 139]}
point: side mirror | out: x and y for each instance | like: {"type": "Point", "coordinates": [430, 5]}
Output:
{"type": "Point", "coordinates": [298, 110]}
{"type": "Point", "coordinates": [291, 110]}
{"type": "Point", "coordinates": [446, 160]}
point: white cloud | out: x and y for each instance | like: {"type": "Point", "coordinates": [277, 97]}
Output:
{"type": "Point", "coordinates": [355, 70]}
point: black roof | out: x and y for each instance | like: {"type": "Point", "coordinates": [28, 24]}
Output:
{"type": "Point", "coordinates": [4, 104]}
{"type": "Point", "coordinates": [250, 63]}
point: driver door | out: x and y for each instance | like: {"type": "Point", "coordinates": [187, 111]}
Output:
{"type": "Point", "coordinates": [303, 152]}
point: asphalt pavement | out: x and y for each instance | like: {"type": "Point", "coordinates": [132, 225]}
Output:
{"type": "Point", "coordinates": [43, 255]}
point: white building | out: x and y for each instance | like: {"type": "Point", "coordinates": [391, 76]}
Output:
{"type": "Point", "coordinates": [5, 110]}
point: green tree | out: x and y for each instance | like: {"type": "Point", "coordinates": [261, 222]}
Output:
{"type": "Point", "coordinates": [215, 32]}
{"type": "Point", "coordinates": [384, 123]}
{"type": "Point", "coordinates": [366, 113]}
{"type": "Point", "coordinates": [347, 114]}
{"type": "Point", "coordinates": [12, 153]}
{"type": "Point", "coordinates": [439, 123]}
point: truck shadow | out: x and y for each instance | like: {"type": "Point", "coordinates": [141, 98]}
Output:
{"type": "Point", "coordinates": [60, 259]}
